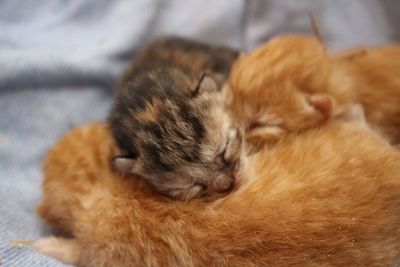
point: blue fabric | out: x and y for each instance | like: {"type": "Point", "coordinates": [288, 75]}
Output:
{"type": "Point", "coordinates": [59, 60]}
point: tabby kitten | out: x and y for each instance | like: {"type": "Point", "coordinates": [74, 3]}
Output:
{"type": "Point", "coordinates": [174, 132]}
{"type": "Point", "coordinates": [326, 197]}
{"type": "Point", "coordinates": [292, 83]}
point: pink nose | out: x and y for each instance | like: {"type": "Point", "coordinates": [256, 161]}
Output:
{"type": "Point", "coordinates": [223, 183]}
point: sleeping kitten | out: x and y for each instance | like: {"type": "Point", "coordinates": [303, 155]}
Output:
{"type": "Point", "coordinates": [192, 57]}
{"type": "Point", "coordinates": [174, 132]}
{"type": "Point", "coordinates": [292, 83]}
{"type": "Point", "coordinates": [171, 126]}
{"type": "Point", "coordinates": [325, 197]}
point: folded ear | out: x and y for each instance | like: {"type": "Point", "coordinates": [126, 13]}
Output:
{"type": "Point", "coordinates": [323, 103]}
{"type": "Point", "coordinates": [205, 84]}
{"type": "Point", "coordinates": [123, 164]}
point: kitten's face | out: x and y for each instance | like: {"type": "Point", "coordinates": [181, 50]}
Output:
{"type": "Point", "coordinates": [187, 147]}
{"type": "Point", "coordinates": [272, 91]}
{"type": "Point", "coordinates": [289, 110]}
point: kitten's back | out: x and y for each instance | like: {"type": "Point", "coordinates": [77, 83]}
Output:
{"type": "Point", "coordinates": [190, 56]}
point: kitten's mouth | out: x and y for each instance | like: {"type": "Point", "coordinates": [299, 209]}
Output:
{"type": "Point", "coordinates": [237, 183]}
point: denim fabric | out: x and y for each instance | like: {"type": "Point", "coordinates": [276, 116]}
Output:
{"type": "Point", "coordinates": [59, 59]}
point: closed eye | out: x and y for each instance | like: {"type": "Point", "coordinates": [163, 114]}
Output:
{"type": "Point", "coordinates": [222, 157]}
{"type": "Point", "coordinates": [253, 125]}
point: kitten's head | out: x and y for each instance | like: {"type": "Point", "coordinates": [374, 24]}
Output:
{"type": "Point", "coordinates": [277, 88]}
{"type": "Point", "coordinates": [185, 145]}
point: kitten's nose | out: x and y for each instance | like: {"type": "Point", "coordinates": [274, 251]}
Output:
{"type": "Point", "coordinates": [223, 183]}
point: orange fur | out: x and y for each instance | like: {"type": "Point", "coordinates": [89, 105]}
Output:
{"type": "Point", "coordinates": [291, 83]}
{"type": "Point", "coordinates": [328, 197]}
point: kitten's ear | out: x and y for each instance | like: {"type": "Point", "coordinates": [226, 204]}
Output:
{"type": "Point", "coordinates": [124, 165]}
{"type": "Point", "coordinates": [205, 84]}
{"type": "Point", "coordinates": [323, 103]}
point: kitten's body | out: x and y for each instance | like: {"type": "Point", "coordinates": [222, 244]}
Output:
{"type": "Point", "coordinates": [292, 83]}
{"type": "Point", "coordinates": [327, 197]}
{"type": "Point", "coordinates": [190, 56]}
{"type": "Point", "coordinates": [374, 78]}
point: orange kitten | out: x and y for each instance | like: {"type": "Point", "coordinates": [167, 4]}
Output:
{"type": "Point", "coordinates": [327, 197]}
{"type": "Point", "coordinates": [292, 83]}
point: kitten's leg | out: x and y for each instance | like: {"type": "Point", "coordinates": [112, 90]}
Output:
{"type": "Point", "coordinates": [66, 250]}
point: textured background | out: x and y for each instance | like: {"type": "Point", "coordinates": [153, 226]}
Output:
{"type": "Point", "coordinates": [59, 60]}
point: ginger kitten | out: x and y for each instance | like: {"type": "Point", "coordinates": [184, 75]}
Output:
{"type": "Point", "coordinates": [292, 83]}
{"type": "Point", "coordinates": [326, 197]}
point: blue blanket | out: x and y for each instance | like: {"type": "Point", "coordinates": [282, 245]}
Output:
{"type": "Point", "coordinates": [60, 59]}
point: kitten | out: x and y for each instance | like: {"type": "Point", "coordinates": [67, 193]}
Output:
{"type": "Point", "coordinates": [192, 57]}
{"type": "Point", "coordinates": [326, 197]}
{"type": "Point", "coordinates": [292, 83]}
{"type": "Point", "coordinates": [174, 132]}
{"type": "Point", "coordinates": [166, 121]}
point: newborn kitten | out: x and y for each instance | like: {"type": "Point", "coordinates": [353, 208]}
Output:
{"type": "Point", "coordinates": [192, 57]}
{"type": "Point", "coordinates": [326, 197]}
{"type": "Point", "coordinates": [174, 132]}
{"type": "Point", "coordinates": [292, 83]}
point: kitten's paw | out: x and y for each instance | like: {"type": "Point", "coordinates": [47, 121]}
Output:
{"type": "Point", "coordinates": [63, 249]}
{"type": "Point", "coordinates": [354, 113]}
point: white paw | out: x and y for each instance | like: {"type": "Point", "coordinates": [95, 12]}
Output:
{"type": "Point", "coordinates": [62, 249]}
{"type": "Point", "coordinates": [353, 113]}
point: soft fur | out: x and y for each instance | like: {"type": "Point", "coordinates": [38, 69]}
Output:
{"type": "Point", "coordinates": [190, 56]}
{"type": "Point", "coordinates": [292, 83]}
{"type": "Point", "coordinates": [327, 197]}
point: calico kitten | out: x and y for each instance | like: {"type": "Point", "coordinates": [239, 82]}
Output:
{"type": "Point", "coordinates": [292, 83]}
{"type": "Point", "coordinates": [326, 197]}
{"type": "Point", "coordinates": [174, 132]}
{"type": "Point", "coordinates": [192, 57]}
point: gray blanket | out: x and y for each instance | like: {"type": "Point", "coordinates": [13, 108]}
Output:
{"type": "Point", "coordinates": [59, 60]}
